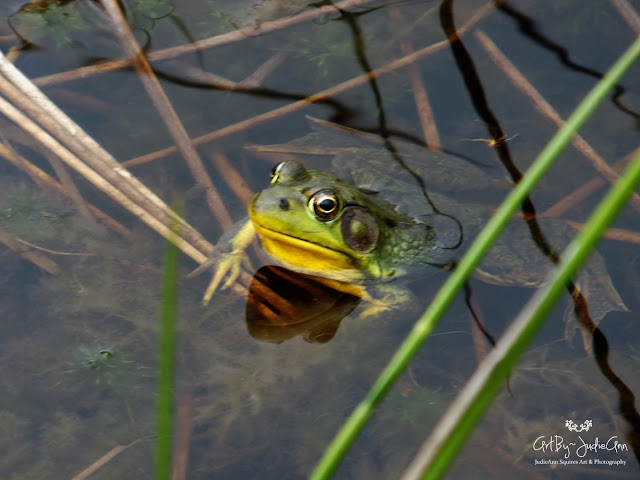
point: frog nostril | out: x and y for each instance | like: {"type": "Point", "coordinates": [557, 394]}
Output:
{"type": "Point", "coordinates": [283, 203]}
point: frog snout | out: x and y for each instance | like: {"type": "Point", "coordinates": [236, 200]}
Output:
{"type": "Point", "coordinates": [274, 202]}
{"type": "Point", "coordinates": [283, 203]}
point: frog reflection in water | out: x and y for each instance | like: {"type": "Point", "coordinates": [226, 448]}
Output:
{"type": "Point", "coordinates": [358, 238]}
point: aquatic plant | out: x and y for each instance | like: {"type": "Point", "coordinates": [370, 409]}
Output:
{"type": "Point", "coordinates": [104, 366]}
{"type": "Point", "coordinates": [474, 400]}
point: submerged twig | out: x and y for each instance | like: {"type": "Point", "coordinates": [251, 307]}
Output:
{"type": "Point", "coordinates": [257, 78]}
{"type": "Point", "coordinates": [97, 165]}
{"type": "Point", "coordinates": [216, 41]}
{"type": "Point", "coordinates": [231, 176]}
{"type": "Point", "coordinates": [167, 112]}
{"type": "Point", "coordinates": [74, 162]}
{"type": "Point", "coordinates": [619, 234]}
{"type": "Point", "coordinates": [579, 194]}
{"type": "Point", "coordinates": [320, 96]}
{"type": "Point", "coordinates": [27, 253]}
{"type": "Point", "coordinates": [180, 455]}
{"type": "Point", "coordinates": [423, 106]}
{"type": "Point", "coordinates": [44, 179]}
{"type": "Point", "coordinates": [547, 110]}
{"type": "Point", "coordinates": [70, 186]}
{"type": "Point", "coordinates": [628, 13]}
{"type": "Point", "coordinates": [102, 461]}
{"type": "Point", "coordinates": [55, 252]}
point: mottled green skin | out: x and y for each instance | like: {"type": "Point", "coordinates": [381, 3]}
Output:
{"type": "Point", "coordinates": [405, 244]}
{"type": "Point", "coordinates": [419, 230]}
{"type": "Point", "coordinates": [515, 259]}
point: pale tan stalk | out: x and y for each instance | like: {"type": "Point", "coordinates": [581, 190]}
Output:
{"type": "Point", "coordinates": [27, 253]}
{"type": "Point", "coordinates": [102, 461]}
{"type": "Point", "coordinates": [320, 96]}
{"type": "Point", "coordinates": [167, 112]}
{"type": "Point", "coordinates": [628, 13]}
{"type": "Point", "coordinates": [579, 194]}
{"type": "Point", "coordinates": [45, 180]}
{"type": "Point", "coordinates": [231, 176]}
{"type": "Point", "coordinates": [618, 234]}
{"type": "Point", "coordinates": [218, 40]}
{"type": "Point", "coordinates": [70, 159]}
{"type": "Point", "coordinates": [70, 186]}
{"type": "Point", "coordinates": [182, 437]}
{"type": "Point", "coordinates": [540, 104]}
{"type": "Point", "coordinates": [420, 96]}
{"type": "Point", "coordinates": [257, 78]}
{"type": "Point", "coordinates": [33, 101]}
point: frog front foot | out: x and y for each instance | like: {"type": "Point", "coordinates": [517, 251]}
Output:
{"type": "Point", "coordinates": [229, 257]}
{"type": "Point", "coordinates": [386, 298]}
{"type": "Point", "coordinates": [227, 263]}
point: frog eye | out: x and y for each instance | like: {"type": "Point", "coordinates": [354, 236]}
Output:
{"type": "Point", "coordinates": [325, 205]}
{"type": "Point", "coordinates": [275, 173]}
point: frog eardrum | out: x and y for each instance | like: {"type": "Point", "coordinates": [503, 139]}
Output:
{"type": "Point", "coordinates": [359, 230]}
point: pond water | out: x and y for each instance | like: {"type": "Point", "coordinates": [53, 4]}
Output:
{"type": "Point", "coordinates": [80, 300]}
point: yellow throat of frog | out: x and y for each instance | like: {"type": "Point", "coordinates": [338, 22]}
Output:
{"type": "Point", "coordinates": [307, 257]}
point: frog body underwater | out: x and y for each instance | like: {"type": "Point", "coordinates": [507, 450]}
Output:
{"type": "Point", "coordinates": [359, 237]}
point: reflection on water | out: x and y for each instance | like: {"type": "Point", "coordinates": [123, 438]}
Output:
{"type": "Point", "coordinates": [260, 409]}
{"type": "Point", "coordinates": [282, 305]}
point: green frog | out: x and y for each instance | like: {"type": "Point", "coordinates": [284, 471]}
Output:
{"type": "Point", "coordinates": [363, 230]}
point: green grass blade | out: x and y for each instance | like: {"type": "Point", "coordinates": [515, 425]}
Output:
{"type": "Point", "coordinates": [457, 424]}
{"type": "Point", "coordinates": [164, 403]}
{"type": "Point", "coordinates": [425, 325]}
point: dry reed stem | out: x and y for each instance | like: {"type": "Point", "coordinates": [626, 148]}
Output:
{"type": "Point", "coordinates": [425, 113]}
{"type": "Point", "coordinates": [45, 180]}
{"type": "Point", "coordinates": [628, 14]}
{"type": "Point", "coordinates": [13, 54]}
{"type": "Point", "coordinates": [102, 461]}
{"type": "Point", "coordinates": [70, 186]}
{"type": "Point", "coordinates": [231, 176]}
{"type": "Point", "coordinates": [196, 74]}
{"type": "Point", "coordinates": [221, 83]}
{"type": "Point", "coordinates": [70, 159]}
{"type": "Point", "coordinates": [55, 252]}
{"type": "Point", "coordinates": [27, 253]}
{"type": "Point", "coordinates": [522, 84]}
{"type": "Point", "coordinates": [421, 98]}
{"type": "Point", "coordinates": [583, 192]}
{"type": "Point", "coordinates": [216, 41]}
{"type": "Point", "coordinates": [182, 437]}
{"type": "Point", "coordinates": [167, 112]}
{"type": "Point", "coordinates": [320, 96]}
{"type": "Point", "coordinates": [263, 71]}
{"type": "Point", "coordinates": [132, 194]}
{"type": "Point", "coordinates": [7, 151]}
{"type": "Point", "coordinates": [618, 234]}
{"type": "Point", "coordinates": [154, 212]}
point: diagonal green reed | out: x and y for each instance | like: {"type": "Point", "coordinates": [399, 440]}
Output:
{"type": "Point", "coordinates": [458, 422]}
{"type": "Point", "coordinates": [447, 447]}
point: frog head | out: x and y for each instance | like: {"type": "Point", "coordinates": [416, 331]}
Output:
{"type": "Point", "coordinates": [316, 223]}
